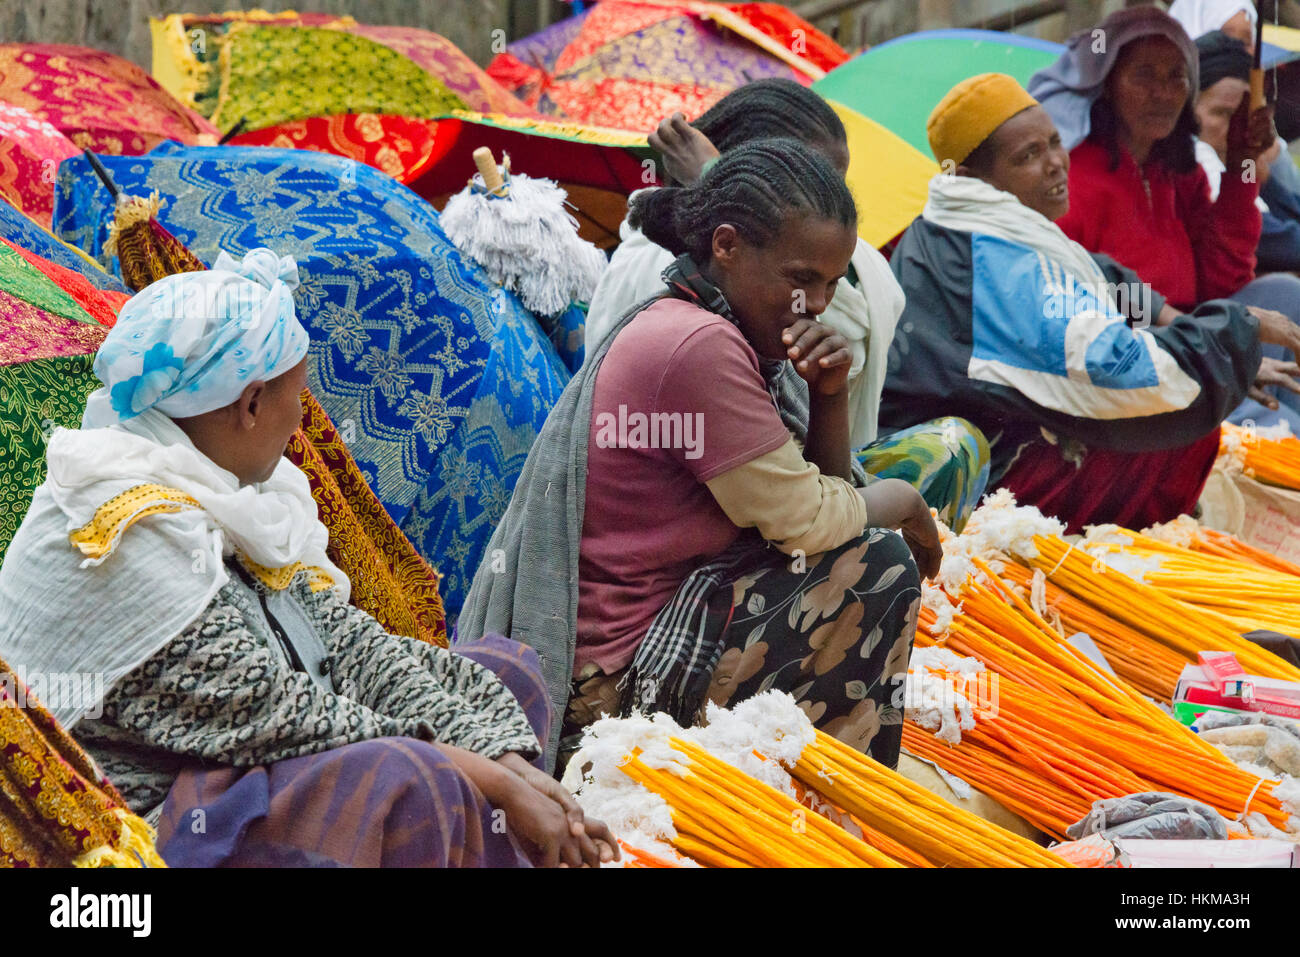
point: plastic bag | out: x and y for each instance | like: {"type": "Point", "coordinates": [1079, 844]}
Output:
{"type": "Point", "coordinates": [1152, 815]}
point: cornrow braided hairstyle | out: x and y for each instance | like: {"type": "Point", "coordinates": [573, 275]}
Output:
{"type": "Point", "coordinates": [771, 108]}
{"type": "Point", "coordinates": [754, 187]}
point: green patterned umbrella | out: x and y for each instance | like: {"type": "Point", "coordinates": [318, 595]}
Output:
{"type": "Point", "coordinates": [52, 319]}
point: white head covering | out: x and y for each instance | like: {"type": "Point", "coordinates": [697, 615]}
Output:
{"type": "Point", "coordinates": [190, 343]}
{"type": "Point", "coordinates": [1199, 17]}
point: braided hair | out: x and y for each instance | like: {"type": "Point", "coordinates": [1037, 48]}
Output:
{"type": "Point", "coordinates": [754, 187]}
{"type": "Point", "coordinates": [771, 107]}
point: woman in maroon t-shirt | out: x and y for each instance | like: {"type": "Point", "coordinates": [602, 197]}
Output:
{"type": "Point", "coordinates": [720, 488]}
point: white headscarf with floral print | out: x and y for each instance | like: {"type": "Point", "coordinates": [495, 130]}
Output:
{"type": "Point", "coordinates": [190, 343]}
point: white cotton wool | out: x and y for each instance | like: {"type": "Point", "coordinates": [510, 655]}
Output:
{"type": "Point", "coordinates": [937, 601]}
{"type": "Point", "coordinates": [770, 723]}
{"type": "Point", "coordinates": [943, 659]}
{"type": "Point", "coordinates": [632, 812]}
{"type": "Point", "coordinates": [957, 567]}
{"type": "Point", "coordinates": [932, 700]}
{"type": "Point", "coordinates": [1097, 542]}
{"type": "Point", "coordinates": [1182, 531]}
{"type": "Point", "coordinates": [1288, 792]}
{"type": "Point", "coordinates": [1001, 527]}
{"type": "Point", "coordinates": [1261, 829]}
{"type": "Point", "coordinates": [1106, 535]}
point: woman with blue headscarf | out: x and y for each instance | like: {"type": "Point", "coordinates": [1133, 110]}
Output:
{"type": "Point", "coordinates": [170, 590]}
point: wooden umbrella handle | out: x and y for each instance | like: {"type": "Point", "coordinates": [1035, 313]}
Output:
{"type": "Point", "coordinates": [487, 166]}
{"type": "Point", "coordinates": [1257, 98]}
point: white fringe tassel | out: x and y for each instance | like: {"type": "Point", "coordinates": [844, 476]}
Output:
{"type": "Point", "coordinates": [527, 242]}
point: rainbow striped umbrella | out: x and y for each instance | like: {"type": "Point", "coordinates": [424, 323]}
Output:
{"type": "Point", "coordinates": [898, 83]}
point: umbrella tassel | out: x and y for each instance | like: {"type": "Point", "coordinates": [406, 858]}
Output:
{"type": "Point", "coordinates": [130, 211]}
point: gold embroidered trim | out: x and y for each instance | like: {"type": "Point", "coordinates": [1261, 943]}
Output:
{"type": "Point", "coordinates": [278, 579]}
{"type": "Point", "coordinates": [98, 537]}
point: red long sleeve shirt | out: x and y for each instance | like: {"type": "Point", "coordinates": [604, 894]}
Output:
{"type": "Point", "coordinates": [1186, 246]}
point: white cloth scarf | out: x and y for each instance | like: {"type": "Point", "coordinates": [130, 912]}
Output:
{"type": "Point", "coordinates": [971, 205]}
{"type": "Point", "coordinates": [866, 315]}
{"type": "Point", "coordinates": [68, 615]}
{"type": "Point", "coordinates": [1199, 17]}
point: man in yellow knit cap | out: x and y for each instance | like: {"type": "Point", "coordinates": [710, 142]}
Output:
{"type": "Point", "coordinates": [990, 117]}
{"type": "Point", "coordinates": [1092, 413]}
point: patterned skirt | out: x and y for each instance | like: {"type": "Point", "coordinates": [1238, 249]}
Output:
{"type": "Point", "coordinates": [833, 630]}
{"type": "Point", "coordinates": [388, 802]}
{"type": "Point", "coordinates": [946, 460]}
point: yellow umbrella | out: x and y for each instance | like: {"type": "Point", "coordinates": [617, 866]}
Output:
{"type": "Point", "coordinates": [888, 176]}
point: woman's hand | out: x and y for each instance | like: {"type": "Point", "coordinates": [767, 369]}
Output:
{"type": "Point", "coordinates": [545, 828]}
{"type": "Point", "coordinates": [545, 825]}
{"type": "Point", "coordinates": [892, 503]}
{"type": "Point", "coordinates": [1274, 372]}
{"type": "Point", "coordinates": [594, 839]}
{"type": "Point", "coordinates": [684, 149]}
{"type": "Point", "coordinates": [820, 355]}
{"type": "Point", "coordinates": [1276, 329]}
{"type": "Point", "coordinates": [1250, 134]}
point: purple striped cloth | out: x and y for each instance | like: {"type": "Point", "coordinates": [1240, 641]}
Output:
{"type": "Point", "coordinates": [388, 802]}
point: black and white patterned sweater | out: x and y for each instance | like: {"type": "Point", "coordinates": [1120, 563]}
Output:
{"type": "Point", "coordinates": [224, 692]}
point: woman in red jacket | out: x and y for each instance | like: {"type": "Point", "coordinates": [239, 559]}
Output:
{"type": "Point", "coordinates": [1122, 98]}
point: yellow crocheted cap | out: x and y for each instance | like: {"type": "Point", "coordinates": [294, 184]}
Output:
{"type": "Point", "coordinates": [972, 110]}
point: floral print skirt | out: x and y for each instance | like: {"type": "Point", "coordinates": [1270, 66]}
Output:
{"type": "Point", "coordinates": [833, 630]}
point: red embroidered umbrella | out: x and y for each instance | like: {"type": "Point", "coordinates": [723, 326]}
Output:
{"type": "Point", "coordinates": [99, 101]}
{"type": "Point", "coordinates": [30, 152]}
{"type": "Point", "coordinates": [629, 63]}
{"type": "Point", "coordinates": [404, 147]}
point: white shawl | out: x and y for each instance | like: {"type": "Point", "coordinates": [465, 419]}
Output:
{"type": "Point", "coordinates": [971, 205]}
{"type": "Point", "coordinates": [64, 615]}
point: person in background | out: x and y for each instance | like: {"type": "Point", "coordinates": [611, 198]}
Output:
{"type": "Point", "coordinates": [1237, 19]}
{"type": "Point", "coordinates": [946, 459]}
{"type": "Point", "coordinates": [1125, 112]}
{"type": "Point", "coordinates": [1093, 417]}
{"type": "Point", "coordinates": [1224, 82]}
{"type": "Point", "coordinates": [1234, 18]}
